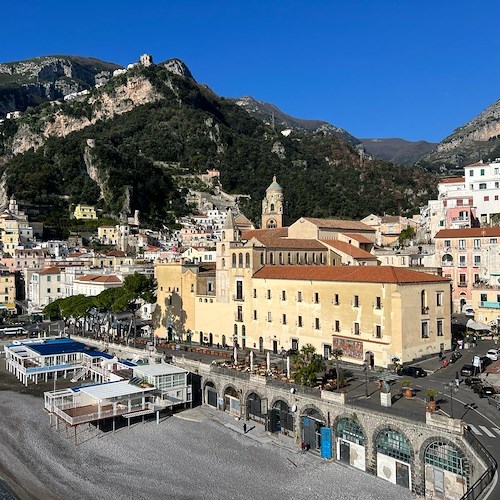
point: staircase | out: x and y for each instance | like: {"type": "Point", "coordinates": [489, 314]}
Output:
{"type": "Point", "coordinates": [80, 374]}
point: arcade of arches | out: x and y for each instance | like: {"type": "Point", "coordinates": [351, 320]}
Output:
{"type": "Point", "coordinates": [399, 452]}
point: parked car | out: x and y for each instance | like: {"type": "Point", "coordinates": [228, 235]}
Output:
{"type": "Point", "coordinates": [412, 371]}
{"type": "Point", "coordinates": [493, 354]}
{"type": "Point", "coordinates": [468, 370]}
{"type": "Point", "coordinates": [468, 311]}
{"type": "Point", "coordinates": [495, 401]}
{"type": "Point", "coordinates": [485, 391]}
{"type": "Point", "coordinates": [485, 362]}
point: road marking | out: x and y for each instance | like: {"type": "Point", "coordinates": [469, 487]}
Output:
{"type": "Point", "coordinates": [487, 431]}
{"type": "Point", "coordinates": [496, 430]}
{"type": "Point", "coordinates": [475, 430]}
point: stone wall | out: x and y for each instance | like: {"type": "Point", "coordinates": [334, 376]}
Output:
{"type": "Point", "coordinates": [332, 407]}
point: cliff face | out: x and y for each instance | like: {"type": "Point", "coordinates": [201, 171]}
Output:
{"type": "Point", "coordinates": [104, 105]}
{"type": "Point", "coordinates": [28, 83]}
{"type": "Point", "coordinates": [477, 139]}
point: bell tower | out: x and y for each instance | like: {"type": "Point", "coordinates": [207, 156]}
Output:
{"type": "Point", "coordinates": [272, 206]}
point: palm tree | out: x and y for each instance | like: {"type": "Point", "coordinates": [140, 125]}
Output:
{"type": "Point", "coordinates": [308, 364]}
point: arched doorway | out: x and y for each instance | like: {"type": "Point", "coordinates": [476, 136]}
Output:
{"type": "Point", "coordinates": [232, 402]}
{"type": "Point", "coordinates": [312, 421]}
{"type": "Point", "coordinates": [256, 408]}
{"type": "Point", "coordinates": [351, 443]}
{"type": "Point", "coordinates": [211, 394]}
{"type": "Point", "coordinates": [446, 470]}
{"type": "Point", "coordinates": [370, 359]}
{"type": "Point", "coordinates": [393, 457]}
{"type": "Point", "coordinates": [281, 418]}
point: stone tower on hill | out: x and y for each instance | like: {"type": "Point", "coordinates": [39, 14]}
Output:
{"type": "Point", "coordinates": [272, 206]}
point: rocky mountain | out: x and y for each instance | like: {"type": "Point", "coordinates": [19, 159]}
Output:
{"type": "Point", "coordinates": [477, 139]}
{"type": "Point", "coordinates": [28, 83]}
{"type": "Point", "coordinates": [131, 143]}
{"type": "Point", "coordinates": [272, 115]}
{"type": "Point", "coordinates": [398, 150]}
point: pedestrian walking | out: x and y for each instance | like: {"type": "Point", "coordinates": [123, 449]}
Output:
{"type": "Point", "coordinates": [457, 379]}
{"type": "Point", "coordinates": [441, 355]}
{"type": "Point", "coordinates": [244, 428]}
{"type": "Point", "coordinates": [302, 447]}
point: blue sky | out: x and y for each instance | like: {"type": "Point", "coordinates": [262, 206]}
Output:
{"type": "Point", "coordinates": [394, 68]}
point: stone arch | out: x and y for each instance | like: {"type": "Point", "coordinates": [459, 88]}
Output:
{"type": "Point", "coordinates": [411, 453]}
{"type": "Point", "coordinates": [210, 394]}
{"type": "Point", "coordinates": [311, 420]}
{"type": "Point", "coordinates": [282, 418]}
{"type": "Point", "coordinates": [441, 464]}
{"type": "Point", "coordinates": [353, 418]}
{"type": "Point", "coordinates": [254, 407]}
{"type": "Point", "coordinates": [351, 440]}
{"type": "Point", "coordinates": [232, 400]}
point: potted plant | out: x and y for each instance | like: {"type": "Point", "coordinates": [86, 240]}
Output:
{"type": "Point", "coordinates": [431, 394]}
{"type": "Point", "coordinates": [407, 390]}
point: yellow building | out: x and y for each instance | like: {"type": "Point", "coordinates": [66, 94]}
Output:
{"type": "Point", "coordinates": [7, 291]}
{"type": "Point", "coordinates": [86, 212]}
{"type": "Point", "coordinates": [486, 304]}
{"type": "Point", "coordinates": [15, 230]}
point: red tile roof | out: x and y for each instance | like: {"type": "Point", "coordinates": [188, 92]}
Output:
{"type": "Point", "coordinates": [347, 248]}
{"type": "Point", "coordinates": [99, 278]}
{"type": "Point", "coordinates": [361, 238]}
{"type": "Point", "coordinates": [452, 180]}
{"type": "Point", "coordinates": [477, 164]}
{"type": "Point", "coordinates": [469, 232]}
{"type": "Point", "coordinates": [279, 232]}
{"type": "Point", "coordinates": [50, 270]}
{"type": "Point", "coordinates": [291, 243]}
{"type": "Point", "coordinates": [116, 253]}
{"type": "Point", "coordinates": [356, 274]}
{"type": "Point", "coordinates": [340, 224]}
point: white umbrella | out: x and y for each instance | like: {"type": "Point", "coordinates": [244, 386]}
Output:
{"type": "Point", "coordinates": [251, 360]}
{"type": "Point", "coordinates": [477, 326]}
{"type": "Point", "coordinates": [235, 355]}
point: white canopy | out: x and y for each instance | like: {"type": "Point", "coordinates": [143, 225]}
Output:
{"type": "Point", "coordinates": [476, 325]}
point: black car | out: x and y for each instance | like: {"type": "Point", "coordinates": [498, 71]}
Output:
{"type": "Point", "coordinates": [485, 362]}
{"type": "Point", "coordinates": [468, 370]}
{"type": "Point", "coordinates": [486, 391]}
{"type": "Point", "coordinates": [412, 371]}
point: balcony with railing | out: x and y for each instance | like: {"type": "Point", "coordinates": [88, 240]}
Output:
{"type": "Point", "coordinates": [489, 304]}
{"type": "Point", "coordinates": [238, 297]}
{"type": "Point", "coordinates": [462, 284]}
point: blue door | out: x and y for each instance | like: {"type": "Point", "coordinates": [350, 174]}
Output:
{"type": "Point", "coordinates": [326, 442]}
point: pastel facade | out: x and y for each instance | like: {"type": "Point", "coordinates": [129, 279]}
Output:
{"type": "Point", "coordinates": [85, 212]}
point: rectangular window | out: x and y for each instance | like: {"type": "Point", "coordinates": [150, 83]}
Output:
{"type": "Point", "coordinates": [48, 290]}
{"type": "Point", "coordinates": [336, 299]}
{"type": "Point", "coordinates": [447, 243]}
{"type": "Point", "coordinates": [425, 330]}
{"type": "Point", "coordinates": [462, 280]}
{"type": "Point", "coordinates": [337, 325]}
{"type": "Point", "coordinates": [284, 319]}
{"type": "Point", "coordinates": [378, 303]}
{"type": "Point", "coordinates": [356, 301]}
{"type": "Point", "coordinates": [269, 294]}
{"type": "Point", "coordinates": [462, 261]}
{"type": "Point", "coordinates": [461, 244]}
{"type": "Point", "coordinates": [316, 297]}
{"type": "Point", "coordinates": [439, 327]}
{"type": "Point", "coordinates": [316, 324]}
{"type": "Point", "coordinates": [486, 198]}
{"type": "Point", "coordinates": [378, 331]}
{"type": "Point", "coordinates": [477, 260]}
{"type": "Point", "coordinates": [49, 278]}
{"type": "Point", "coordinates": [269, 317]}
{"type": "Point", "coordinates": [299, 321]}
{"type": "Point", "coordinates": [493, 240]}
{"type": "Point", "coordinates": [477, 243]}
{"type": "Point", "coordinates": [299, 296]}
{"type": "Point", "coordinates": [471, 173]}
{"type": "Point", "coordinates": [254, 314]}
{"type": "Point", "coordinates": [484, 297]}
{"type": "Point", "coordinates": [255, 293]}
{"type": "Point", "coordinates": [439, 298]}
{"type": "Point", "coordinates": [482, 171]}
{"type": "Point", "coordinates": [482, 185]}
{"type": "Point", "coordinates": [356, 328]}
{"type": "Point", "coordinates": [283, 294]}
{"type": "Point", "coordinates": [58, 290]}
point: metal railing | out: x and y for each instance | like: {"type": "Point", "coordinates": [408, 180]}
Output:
{"type": "Point", "coordinates": [476, 490]}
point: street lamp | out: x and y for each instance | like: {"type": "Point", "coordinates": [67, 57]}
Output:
{"type": "Point", "coordinates": [365, 369]}
{"type": "Point", "coordinates": [452, 387]}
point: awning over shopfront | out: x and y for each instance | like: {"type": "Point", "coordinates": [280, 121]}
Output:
{"type": "Point", "coordinates": [477, 326]}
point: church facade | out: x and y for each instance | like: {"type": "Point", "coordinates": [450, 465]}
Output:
{"type": "Point", "coordinates": [314, 282]}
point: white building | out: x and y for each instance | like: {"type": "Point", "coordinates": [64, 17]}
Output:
{"type": "Point", "coordinates": [93, 284]}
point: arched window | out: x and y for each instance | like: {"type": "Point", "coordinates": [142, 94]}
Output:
{"type": "Point", "coordinates": [223, 263]}
{"type": "Point", "coordinates": [393, 444]}
{"type": "Point", "coordinates": [447, 260]}
{"type": "Point", "coordinates": [247, 260]}
{"type": "Point", "coordinates": [234, 259]}
{"type": "Point", "coordinates": [271, 258]}
{"type": "Point", "coordinates": [223, 235]}
{"type": "Point", "coordinates": [289, 258]}
{"type": "Point", "coordinates": [235, 331]}
{"type": "Point", "coordinates": [447, 457]}
{"type": "Point", "coordinates": [350, 430]}
{"type": "Point", "coordinates": [281, 258]}
{"type": "Point", "coordinates": [423, 300]}
{"type": "Point", "coordinates": [272, 207]}
{"type": "Point", "coordinates": [305, 258]}
{"type": "Point", "coordinates": [298, 258]}
{"type": "Point", "coordinates": [261, 258]}
{"type": "Point", "coordinates": [314, 258]}
{"type": "Point", "coordinates": [223, 249]}
{"type": "Point", "coordinates": [240, 260]}
{"type": "Point", "coordinates": [321, 258]}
